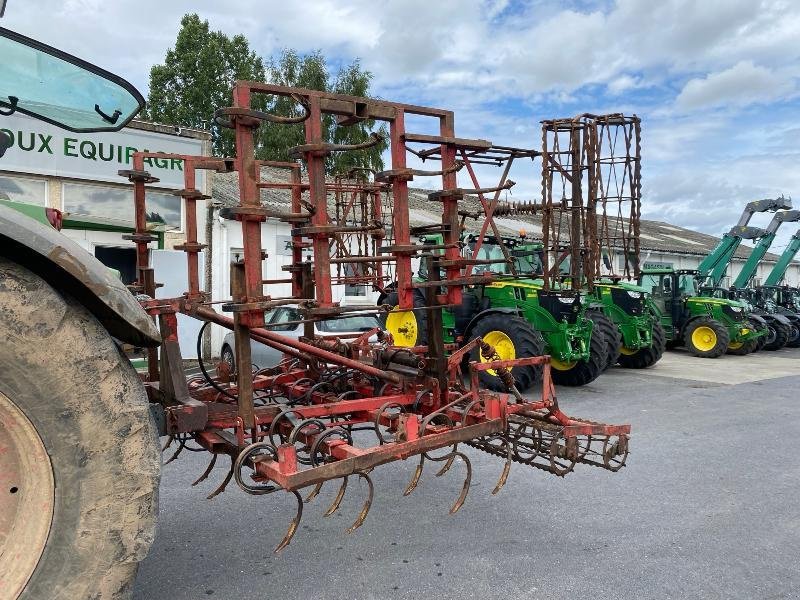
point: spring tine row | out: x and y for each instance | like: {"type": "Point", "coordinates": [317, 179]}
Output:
{"type": "Point", "coordinates": [207, 472]}
{"type": "Point", "coordinates": [314, 493]}
{"type": "Point", "coordinates": [367, 505]}
{"type": "Point", "coordinates": [506, 468]}
{"type": "Point", "coordinates": [168, 443]}
{"type": "Point", "coordinates": [446, 466]}
{"type": "Point", "coordinates": [181, 446]}
{"type": "Point", "coordinates": [338, 500]}
{"type": "Point", "coordinates": [412, 485]}
{"type": "Point", "coordinates": [224, 483]}
{"type": "Point", "coordinates": [293, 525]}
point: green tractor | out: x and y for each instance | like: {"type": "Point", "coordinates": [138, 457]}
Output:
{"type": "Point", "coordinates": [708, 327]}
{"type": "Point", "coordinates": [634, 336]}
{"type": "Point", "coordinates": [516, 316]}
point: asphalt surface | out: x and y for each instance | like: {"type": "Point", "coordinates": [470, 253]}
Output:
{"type": "Point", "coordinates": [707, 507]}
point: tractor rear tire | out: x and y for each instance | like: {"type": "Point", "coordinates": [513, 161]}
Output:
{"type": "Point", "coordinates": [80, 513]}
{"type": "Point", "coordinates": [584, 371]}
{"type": "Point", "coordinates": [647, 357]}
{"type": "Point", "coordinates": [526, 342]}
{"type": "Point", "coordinates": [611, 333]}
{"type": "Point", "coordinates": [777, 337]}
{"type": "Point", "coordinates": [706, 338]}
{"type": "Point", "coordinates": [794, 334]}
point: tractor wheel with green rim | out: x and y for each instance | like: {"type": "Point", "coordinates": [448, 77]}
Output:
{"type": "Point", "coordinates": [512, 337]}
{"type": "Point", "coordinates": [646, 357]}
{"type": "Point", "coordinates": [80, 462]}
{"type": "Point", "coordinates": [777, 335]}
{"type": "Point", "coordinates": [706, 338]}
{"type": "Point", "coordinates": [611, 333]}
{"type": "Point", "coordinates": [581, 372]}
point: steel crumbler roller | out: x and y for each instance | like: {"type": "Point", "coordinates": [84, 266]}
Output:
{"type": "Point", "coordinates": [336, 408]}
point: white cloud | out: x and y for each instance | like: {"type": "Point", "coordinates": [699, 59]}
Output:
{"type": "Point", "coordinates": [742, 84]}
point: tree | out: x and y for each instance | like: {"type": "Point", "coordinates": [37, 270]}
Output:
{"type": "Point", "coordinates": [198, 74]}
{"type": "Point", "coordinates": [197, 78]}
{"type": "Point", "coordinates": [311, 72]}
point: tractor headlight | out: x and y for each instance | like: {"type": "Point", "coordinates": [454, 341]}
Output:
{"type": "Point", "coordinates": [633, 294]}
{"type": "Point", "coordinates": [736, 309]}
{"type": "Point", "coordinates": [566, 300]}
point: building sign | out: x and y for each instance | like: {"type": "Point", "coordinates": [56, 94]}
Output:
{"type": "Point", "coordinates": [43, 149]}
{"type": "Point", "coordinates": [657, 265]}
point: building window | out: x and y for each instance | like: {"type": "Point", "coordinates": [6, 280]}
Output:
{"type": "Point", "coordinates": [20, 189]}
{"type": "Point", "coordinates": [116, 203]}
{"type": "Point", "coordinates": [355, 271]}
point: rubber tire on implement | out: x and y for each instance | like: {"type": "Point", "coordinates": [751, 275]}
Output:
{"type": "Point", "coordinates": [611, 333]}
{"type": "Point", "coordinates": [584, 371]}
{"type": "Point", "coordinates": [781, 335]}
{"type": "Point", "coordinates": [65, 373]}
{"type": "Point", "coordinates": [722, 338]}
{"type": "Point", "coordinates": [527, 342]}
{"type": "Point", "coordinates": [647, 357]}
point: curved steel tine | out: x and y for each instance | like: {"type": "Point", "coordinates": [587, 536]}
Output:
{"type": "Point", "coordinates": [506, 469]}
{"type": "Point", "coordinates": [224, 484]}
{"type": "Point", "coordinates": [293, 525]}
{"type": "Point", "coordinates": [314, 493]}
{"type": "Point", "coordinates": [446, 466]}
{"type": "Point", "coordinates": [465, 488]}
{"type": "Point", "coordinates": [181, 446]}
{"type": "Point", "coordinates": [338, 500]}
{"type": "Point", "coordinates": [412, 485]}
{"type": "Point", "coordinates": [207, 472]}
{"type": "Point", "coordinates": [367, 505]}
{"type": "Point", "coordinates": [168, 443]}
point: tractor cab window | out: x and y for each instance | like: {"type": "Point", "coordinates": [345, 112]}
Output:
{"type": "Point", "coordinates": [527, 262]}
{"type": "Point", "coordinates": [56, 87]}
{"type": "Point", "coordinates": [687, 285]}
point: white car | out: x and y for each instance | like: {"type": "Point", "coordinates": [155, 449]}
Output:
{"type": "Point", "coordinates": [283, 320]}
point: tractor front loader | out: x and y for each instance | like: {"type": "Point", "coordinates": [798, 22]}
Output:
{"type": "Point", "coordinates": [78, 425]}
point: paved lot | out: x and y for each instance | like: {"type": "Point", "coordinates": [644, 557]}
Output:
{"type": "Point", "coordinates": [708, 507]}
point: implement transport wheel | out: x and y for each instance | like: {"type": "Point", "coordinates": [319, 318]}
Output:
{"type": "Point", "coordinates": [80, 461]}
{"type": "Point", "coordinates": [581, 372]}
{"type": "Point", "coordinates": [706, 338]}
{"type": "Point", "coordinates": [611, 333]}
{"type": "Point", "coordinates": [646, 357]}
{"type": "Point", "coordinates": [777, 335]}
{"type": "Point", "coordinates": [512, 337]}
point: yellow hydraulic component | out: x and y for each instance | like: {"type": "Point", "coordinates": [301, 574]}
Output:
{"type": "Point", "coordinates": [502, 345]}
{"type": "Point", "coordinates": [627, 351]}
{"type": "Point", "coordinates": [402, 324]}
{"type": "Point", "coordinates": [735, 345]}
{"type": "Point", "coordinates": [704, 338]}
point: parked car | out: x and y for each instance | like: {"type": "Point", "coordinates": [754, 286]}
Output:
{"type": "Point", "coordinates": [284, 320]}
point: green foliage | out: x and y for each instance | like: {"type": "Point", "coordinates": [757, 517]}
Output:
{"type": "Point", "coordinates": [199, 72]}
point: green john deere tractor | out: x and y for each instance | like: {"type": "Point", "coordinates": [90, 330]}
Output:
{"type": "Point", "coordinates": [634, 336]}
{"type": "Point", "coordinates": [705, 325]}
{"type": "Point", "coordinates": [516, 316]}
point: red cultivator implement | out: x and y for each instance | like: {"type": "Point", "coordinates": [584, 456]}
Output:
{"type": "Point", "coordinates": [337, 408]}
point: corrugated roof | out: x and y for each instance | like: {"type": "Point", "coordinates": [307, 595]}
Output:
{"type": "Point", "coordinates": [655, 236]}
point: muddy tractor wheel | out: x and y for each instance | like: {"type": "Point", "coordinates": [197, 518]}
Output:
{"type": "Point", "coordinates": [80, 464]}
{"type": "Point", "coordinates": [581, 372]}
{"type": "Point", "coordinates": [706, 338]}
{"type": "Point", "coordinates": [794, 333]}
{"type": "Point", "coordinates": [511, 337]}
{"type": "Point", "coordinates": [611, 333]}
{"type": "Point", "coordinates": [777, 335]}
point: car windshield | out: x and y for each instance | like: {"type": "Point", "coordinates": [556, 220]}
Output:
{"type": "Point", "coordinates": [51, 85]}
{"type": "Point", "coordinates": [349, 324]}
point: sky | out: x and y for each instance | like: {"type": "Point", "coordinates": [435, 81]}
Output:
{"type": "Point", "coordinates": [715, 82]}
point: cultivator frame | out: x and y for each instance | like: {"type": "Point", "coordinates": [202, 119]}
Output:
{"type": "Point", "coordinates": [303, 422]}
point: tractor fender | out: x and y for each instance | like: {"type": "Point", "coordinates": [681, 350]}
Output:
{"type": "Point", "coordinates": [758, 318]}
{"type": "Point", "coordinates": [72, 270]}
{"type": "Point", "coordinates": [779, 318]}
{"type": "Point", "coordinates": [484, 313]}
